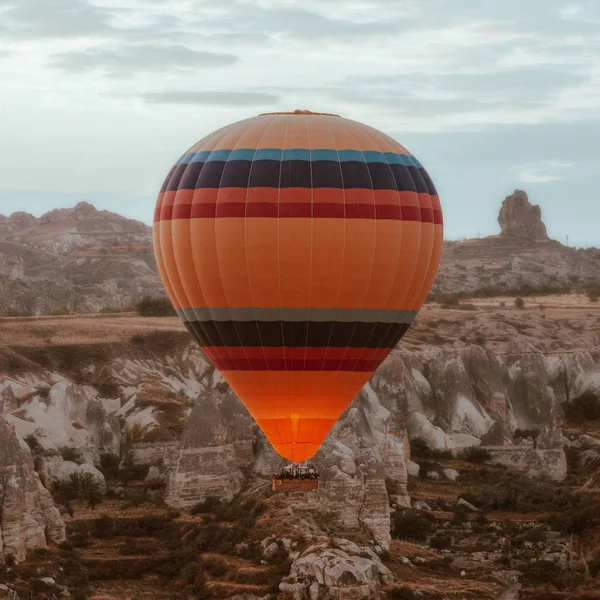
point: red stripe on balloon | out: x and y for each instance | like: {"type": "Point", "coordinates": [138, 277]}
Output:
{"type": "Point", "coordinates": [299, 210]}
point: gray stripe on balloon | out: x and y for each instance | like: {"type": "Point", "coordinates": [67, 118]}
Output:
{"type": "Point", "coordinates": [316, 315]}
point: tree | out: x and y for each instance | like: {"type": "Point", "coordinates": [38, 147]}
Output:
{"type": "Point", "coordinates": [155, 307]}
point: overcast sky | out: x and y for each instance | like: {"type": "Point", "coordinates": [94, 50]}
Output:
{"type": "Point", "coordinates": [99, 98]}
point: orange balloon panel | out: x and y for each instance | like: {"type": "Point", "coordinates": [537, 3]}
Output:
{"type": "Point", "coordinates": [297, 248]}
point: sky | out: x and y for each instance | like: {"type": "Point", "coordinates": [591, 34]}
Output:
{"type": "Point", "coordinates": [98, 98]}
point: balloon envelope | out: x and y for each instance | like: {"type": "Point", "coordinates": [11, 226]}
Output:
{"type": "Point", "coordinates": [297, 248]}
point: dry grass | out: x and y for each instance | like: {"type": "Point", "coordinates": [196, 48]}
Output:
{"type": "Point", "coordinates": [91, 329]}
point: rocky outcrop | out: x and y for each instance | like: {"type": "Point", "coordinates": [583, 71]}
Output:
{"type": "Point", "coordinates": [540, 463]}
{"type": "Point", "coordinates": [28, 517]}
{"type": "Point", "coordinates": [519, 218]}
{"type": "Point", "coordinates": [216, 443]}
{"type": "Point", "coordinates": [336, 570]}
{"type": "Point", "coordinates": [66, 415]}
{"type": "Point", "coordinates": [78, 259]}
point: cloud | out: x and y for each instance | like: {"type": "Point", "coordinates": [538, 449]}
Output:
{"type": "Point", "coordinates": [545, 173]}
{"type": "Point", "coordinates": [54, 18]}
{"type": "Point", "coordinates": [212, 98]}
{"type": "Point", "coordinates": [127, 61]}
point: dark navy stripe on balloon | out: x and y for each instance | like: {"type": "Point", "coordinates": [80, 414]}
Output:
{"type": "Point", "coordinates": [298, 173]}
{"type": "Point", "coordinates": [299, 364]}
{"type": "Point", "coordinates": [297, 334]}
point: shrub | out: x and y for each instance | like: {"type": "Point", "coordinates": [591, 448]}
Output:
{"type": "Point", "coordinates": [411, 525]}
{"type": "Point", "coordinates": [207, 506]}
{"type": "Point", "coordinates": [81, 486]}
{"type": "Point", "coordinates": [420, 449]}
{"type": "Point", "coordinates": [155, 307]}
{"type": "Point", "coordinates": [593, 295]}
{"type": "Point", "coordinates": [520, 303]}
{"type": "Point", "coordinates": [585, 407]}
{"type": "Point", "coordinates": [476, 455]}
{"type": "Point", "coordinates": [441, 542]}
{"type": "Point", "coordinates": [33, 444]}
{"type": "Point", "coordinates": [69, 453]}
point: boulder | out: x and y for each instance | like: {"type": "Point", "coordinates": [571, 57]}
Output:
{"type": "Point", "coordinates": [338, 570]}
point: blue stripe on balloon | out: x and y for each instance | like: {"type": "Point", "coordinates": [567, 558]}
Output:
{"type": "Point", "coordinates": [368, 156]}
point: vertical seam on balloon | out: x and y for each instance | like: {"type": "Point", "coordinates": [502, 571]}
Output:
{"type": "Point", "coordinates": [334, 143]}
{"type": "Point", "coordinates": [269, 123]}
{"type": "Point", "coordinates": [416, 263]}
{"type": "Point", "coordinates": [378, 145]}
{"type": "Point", "coordinates": [235, 130]}
{"type": "Point", "coordinates": [312, 241]}
{"type": "Point", "coordinates": [163, 245]}
{"type": "Point", "coordinates": [289, 397]}
{"type": "Point", "coordinates": [338, 370]}
{"type": "Point", "coordinates": [393, 324]}
{"type": "Point", "coordinates": [201, 326]}
{"type": "Point", "coordinates": [216, 139]}
{"type": "Point", "coordinates": [423, 225]}
{"type": "Point", "coordinates": [435, 235]}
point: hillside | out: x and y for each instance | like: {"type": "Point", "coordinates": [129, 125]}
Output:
{"type": "Point", "coordinates": [86, 261]}
{"type": "Point", "coordinates": [80, 259]}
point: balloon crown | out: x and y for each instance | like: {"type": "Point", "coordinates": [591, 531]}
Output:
{"type": "Point", "coordinates": [299, 112]}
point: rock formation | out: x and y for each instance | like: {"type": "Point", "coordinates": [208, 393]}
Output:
{"type": "Point", "coordinates": [28, 517]}
{"type": "Point", "coordinates": [217, 442]}
{"type": "Point", "coordinates": [540, 463]}
{"type": "Point", "coordinates": [519, 218]}
{"type": "Point", "coordinates": [78, 259]}
{"type": "Point", "coordinates": [336, 570]}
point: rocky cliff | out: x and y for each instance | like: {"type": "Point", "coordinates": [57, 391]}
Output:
{"type": "Point", "coordinates": [28, 517]}
{"type": "Point", "coordinates": [79, 259]}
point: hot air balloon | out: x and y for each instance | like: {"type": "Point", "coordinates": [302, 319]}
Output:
{"type": "Point", "coordinates": [297, 248]}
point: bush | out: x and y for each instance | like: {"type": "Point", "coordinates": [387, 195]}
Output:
{"type": "Point", "coordinates": [583, 408]}
{"type": "Point", "coordinates": [475, 455]}
{"type": "Point", "coordinates": [155, 307]}
{"type": "Point", "coordinates": [420, 449]}
{"type": "Point", "coordinates": [207, 506]}
{"type": "Point", "coordinates": [33, 444]}
{"type": "Point", "coordinates": [81, 486]}
{"type": "Point", "coordinates": [411, 525]}
{"type": "Point", "coordinates": [441, 542]}
{"type": "Point", "coordinates": [593, 295]}
{"type": "Point", "coordinates": [69, 453]}
{"type": "Point", "coordinates": [520, 303]}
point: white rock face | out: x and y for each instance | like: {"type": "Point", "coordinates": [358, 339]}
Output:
{"type": "Point", "coordinates": [69, 415]}
{"type": "Point", "coordinates": [28, 517]}
{"type": "Point", "coordinates": [341, 571]}
{"type": "Point", "coordinates": [419, 426]}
